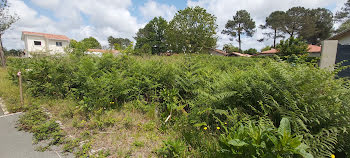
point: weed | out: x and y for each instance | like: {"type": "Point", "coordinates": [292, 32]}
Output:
{"type": "Point", "coordinates": [138, 143]}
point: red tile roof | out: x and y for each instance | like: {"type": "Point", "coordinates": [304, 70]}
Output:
{"type": "Point", "coordinates": [46, 35]}
{"type": "Point", "coordinates": [314, 49]}
{"type": "Point", "coordinates": [311, 49]}
{"type": "Point", "coordinates": [220, 52]}
{"type": "Point", "coordinates": [230, 54]}
{"type": "Point", "coordinates": [103, 51]}
{"type": "Point", "coordinates": [241, 55]}
{"type": "Point", "coordinates": [272, 51]}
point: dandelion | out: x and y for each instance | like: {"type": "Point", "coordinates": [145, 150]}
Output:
{"type": "Point", "coordinates": [225, 123]}
{"type": "Point", "coordinates": [205, 128]}
{"type": "Point", "coordinates": [218, 128]}
{"type": "Point", "coordinates": [332, 156]}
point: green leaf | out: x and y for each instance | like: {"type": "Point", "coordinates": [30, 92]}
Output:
{"type": "Point", "coordinates": [284, 126]}
{"type": "Point", "coordinates": [237, 142]}
{"type": "Point", "coordinates": [200, 124]}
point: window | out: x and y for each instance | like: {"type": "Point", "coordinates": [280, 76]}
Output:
{"type": "Point", "coordinates": [59, 44]}
{"type": "Point", "coordinates": [37, 43]}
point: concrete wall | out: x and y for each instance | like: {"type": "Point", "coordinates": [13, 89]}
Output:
{"type": "Point", "coordinates": [328, 54]}
{"type": "Point", "coordinates": [30, 47]}
{"type": "Point", "coordinates": [53, 49]}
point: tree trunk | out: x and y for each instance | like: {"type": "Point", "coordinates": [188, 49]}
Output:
{"type": "Point", "coordinates": [2, 54]}
{"type": "Point", "coordinates": [274, 39]}
{"type": "Point", "coordinates": [239, 42]}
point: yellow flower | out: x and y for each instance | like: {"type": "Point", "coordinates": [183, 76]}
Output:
{"type": "Point", "coordinates": [332, 156]}
{"type": "Point", "coordinates": [217, 127]}
{"type": "Point", "coordinates": [225, 123]}
{"type": "Point", "coordinates": [205, 128]}
{"type": "Point", "coordinates": [111, 102]}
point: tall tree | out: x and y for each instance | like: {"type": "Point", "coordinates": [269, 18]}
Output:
{"type": "Point", "coordinates": [294, 20]}
{"type": "Point", "coordinates": [153, 35]}
{"type": "Point", "coordinates": [242, 24]}
{"type": "Point", "coordinates": [192, 30]}
{"type": "Point", "coordinates": [344, 26]}
{"type": "Point", "coordinates": [6, 20]}
{"type": "Point", "coordinates": [343, 16]}
{"type": "Point", "coordinates": [229, 48]}
{"type": "Point", "coordinates": [274, 22]}
{"type": "Point", "coordinates": [323, 25]}
{"type": "Point", "coordinates": [313, 25]}
{"type": "Point", "coordinates": [344, 13]}
{"type": "Point", "coordinates": [122, 42]}
{"type": "Point", "coordinates": [91, 43]}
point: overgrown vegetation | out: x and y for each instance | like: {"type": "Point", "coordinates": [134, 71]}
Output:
{"type": "Point", "coordinates": [216, 106]}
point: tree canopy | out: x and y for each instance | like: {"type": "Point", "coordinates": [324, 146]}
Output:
{"type": "Point", "coordinates": [242, 24]}
{"type": "Point", "coordinates": [152, 36]}
{"type": "Point", "coordinates": [229, 48]}
{"type": "Point", "coordinates": [291, 46]}
{"type": "Point", "coordinates": [313, 25]}
{"type": "Point", "coordinates": [91, 43]}
{"type": "Point", "coordinates": [274, 22]}
{"type": "Point", "coordinates": [122, 42]}
{"type": "Point", "coordinates": [192, 30]}
{"type": "Point", "coordinates": [343, 16]}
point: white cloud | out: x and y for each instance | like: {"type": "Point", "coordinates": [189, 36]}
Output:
{"type": "Point", "coordinates": [75, 18]}
{"type": "Point", "coordinates": [153, 9]}
{"type": "Point", "coordinates": [102, 18]}
{"type": "Point", "coordinates": [259, 10]}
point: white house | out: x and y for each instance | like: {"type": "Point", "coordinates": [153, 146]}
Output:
{"type": "Point", "coordinates": [36, 42]}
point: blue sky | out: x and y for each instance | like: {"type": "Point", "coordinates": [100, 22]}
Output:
{"type": "Point", "coordinates": [79, 19]}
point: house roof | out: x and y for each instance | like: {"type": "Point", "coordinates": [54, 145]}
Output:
{"type": "Point", "coordinates": [103, 51]}
{"type": "Point", "coordinates": [46, 35]}
{"type": "Point", "coordinates": [271, 51]}
{"type": "Point", "coordinates": [231, 54]}
{"type": "Point", "coordinates": [314, 49]}
{"type": "Point", "coordinates": [240, 54]}
{"type": "Point", "coordinates": [311, 49]}
{"type": "Point", "coordinates": [220, 52]}
{"type": "Point", "coordinates": [339, 35]}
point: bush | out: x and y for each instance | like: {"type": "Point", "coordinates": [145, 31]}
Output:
{"type": "Point", "coordinates": [193, 91]}
{"type": "Point", "coordinates": [292, 46]}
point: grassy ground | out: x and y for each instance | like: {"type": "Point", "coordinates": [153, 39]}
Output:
{"type": "Point", "coordinates": [123, 132]}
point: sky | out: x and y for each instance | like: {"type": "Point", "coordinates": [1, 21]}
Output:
{"type": "Point", "coordinates": [79, 19]}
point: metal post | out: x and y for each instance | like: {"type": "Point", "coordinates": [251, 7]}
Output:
{"type": "Point", "coordinates": [20, 87]}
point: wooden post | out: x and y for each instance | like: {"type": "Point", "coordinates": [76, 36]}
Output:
{"type": "Point", "coordinates": [20, 87]}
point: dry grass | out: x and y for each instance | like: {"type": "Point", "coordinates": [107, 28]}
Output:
{"type": "Point", "coordinates": [134, 134]}
{"type": "Point", "coordinates": [9, 92]}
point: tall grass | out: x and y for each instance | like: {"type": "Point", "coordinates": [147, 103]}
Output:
{"type": "Point", "coordinates": [204, 96]}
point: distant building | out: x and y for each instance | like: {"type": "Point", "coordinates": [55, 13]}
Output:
{"type": "Point", "coordinates": [44, 43]}
{"type": "Point", "coordinates": [314, 51]}
{"type": "Point", "coordinates": [218, 52]}
{"type": "Point", "coordinates": [99, 52]}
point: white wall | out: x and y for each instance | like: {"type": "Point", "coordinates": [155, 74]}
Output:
{"type": "Point", "coordinates": [33, 48]}
{"type": "Point", "coordinates": [53, 49]}
{"type": "Point", "coordinates": [344, 40]}
{"type": "Point", "coordinates": [47, 45]}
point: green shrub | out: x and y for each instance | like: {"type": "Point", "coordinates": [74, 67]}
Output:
{"type": "Point", "coordinates": [201, 90]}
{"type": "Point", "coordinates": [262, 139]}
